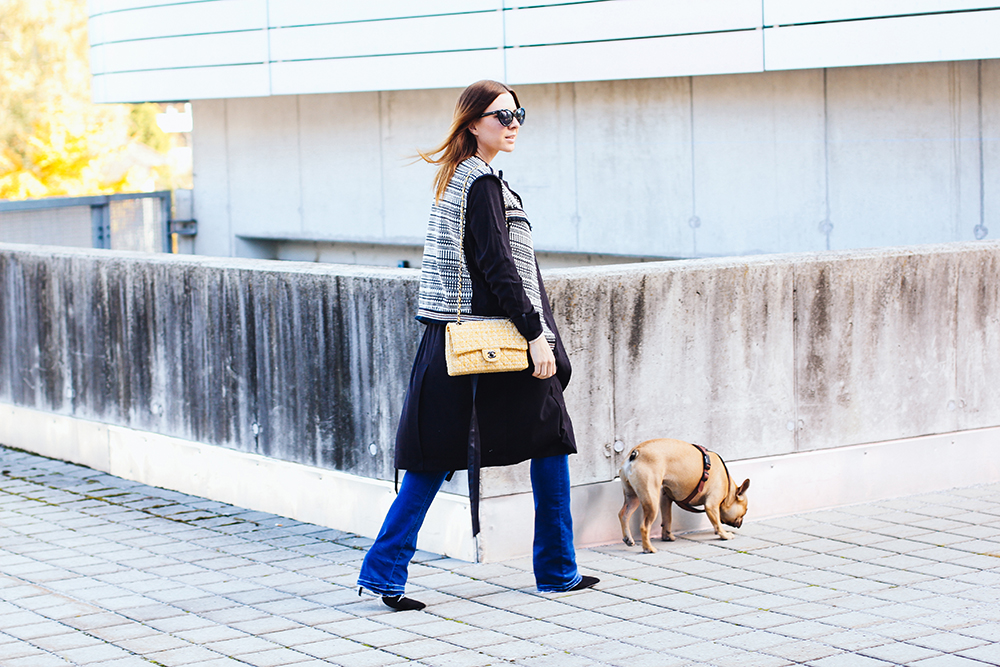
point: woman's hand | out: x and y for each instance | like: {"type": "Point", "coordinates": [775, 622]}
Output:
{"type": "Point", "coordinates": [542, 358]}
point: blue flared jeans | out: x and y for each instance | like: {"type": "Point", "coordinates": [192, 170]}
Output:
{"type": "Point", "coordinates": [384, 569]}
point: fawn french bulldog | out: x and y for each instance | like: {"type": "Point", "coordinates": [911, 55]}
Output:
{"type": "Point", "coordinates": [665, 471]}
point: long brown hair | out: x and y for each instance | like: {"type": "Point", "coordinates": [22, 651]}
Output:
{"type": "Point", "coordinates": [460, 144]}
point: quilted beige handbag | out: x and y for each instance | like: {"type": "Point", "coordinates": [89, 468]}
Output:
{"type": "Point", "coordinates": [481, 346]}
{"type": "Point", "coordinates": [487, 346]}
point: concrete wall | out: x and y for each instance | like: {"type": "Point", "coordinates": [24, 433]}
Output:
{"type": "Point", "coordinates": [782, 354]}
{"type": "Point", "coordinates": [791, 161]}
{"type": "Point", "coordinates": [753, 357]}
{"type": "Point", "coordinates": [301, 363]}
{"type": "Point", "coordinates": [278, 386]}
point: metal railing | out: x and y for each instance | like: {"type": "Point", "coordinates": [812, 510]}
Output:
{"type": "Point", "coordinates": [133, 221]}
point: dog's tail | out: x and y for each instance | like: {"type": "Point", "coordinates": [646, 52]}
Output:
{"type": "Point", "coordinates": [626, 470]}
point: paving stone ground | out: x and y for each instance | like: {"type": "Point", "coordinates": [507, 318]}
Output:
{"type": "Point", "coordinates": [96, 570]}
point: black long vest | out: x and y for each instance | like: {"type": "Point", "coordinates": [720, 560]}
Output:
{"type": "Point", "coordinates": [520, 417]}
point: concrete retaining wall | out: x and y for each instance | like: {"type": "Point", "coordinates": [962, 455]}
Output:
{"type": "Point", "coordinates": [788, 353]}
{"type": "Point", "coordinates": [302, 363]}
{"type": "Point", "coordinates": [768, 356]}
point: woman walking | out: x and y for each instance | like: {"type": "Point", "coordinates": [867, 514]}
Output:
{"type": "Point", "coordinates": [489, 271]}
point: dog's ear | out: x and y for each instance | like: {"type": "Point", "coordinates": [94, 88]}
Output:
{"type": "Point", "coordinates": [743, 487]}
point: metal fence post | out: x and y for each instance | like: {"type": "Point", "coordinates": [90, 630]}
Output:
{"type": "Point", "coordinates": [166, 216]}
{"type": "Point", "coordinates": [100, 216]}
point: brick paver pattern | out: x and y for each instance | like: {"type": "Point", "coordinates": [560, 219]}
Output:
{"type": "Point", "coordinates": [96, 570]}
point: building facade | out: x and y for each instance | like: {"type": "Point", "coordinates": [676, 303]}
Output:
{"type": "Point", "coordinates": [655, 128]}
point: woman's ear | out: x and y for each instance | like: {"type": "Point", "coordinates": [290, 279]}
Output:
{"type": "Point", "coordinates": [473, 129]}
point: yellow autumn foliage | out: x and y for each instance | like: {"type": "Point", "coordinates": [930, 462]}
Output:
{"type": "Point", "coordinates": [53, 140]}
{"type": "Point", "coordinates": [58, 157]}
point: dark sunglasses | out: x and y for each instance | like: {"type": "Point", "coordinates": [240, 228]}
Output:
{"type": "Point", "coordinates": [506, 116]}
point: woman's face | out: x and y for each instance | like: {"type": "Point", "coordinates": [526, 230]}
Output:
{"type": "Point", "coordinates": [491, 136]}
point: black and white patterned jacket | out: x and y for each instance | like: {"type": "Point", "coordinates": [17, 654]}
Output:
{"type": "Point", "coordinates": [443, 263]}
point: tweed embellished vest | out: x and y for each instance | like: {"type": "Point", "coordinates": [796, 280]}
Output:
{"type": "Point", "coordinates": [441, 265]}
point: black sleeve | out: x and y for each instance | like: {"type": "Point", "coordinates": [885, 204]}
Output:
{"type": "Point", "coordinates": [487, 247]}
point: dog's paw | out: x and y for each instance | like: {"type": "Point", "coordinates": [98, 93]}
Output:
{"type": "Point", "coordinates": [628, 541]}
{"type": "Point", "coordinates": [667, 537]}
{"type": "Point", "coordinates": [648, 549]}
{"type": "Point", "coordinates": [725, 535]}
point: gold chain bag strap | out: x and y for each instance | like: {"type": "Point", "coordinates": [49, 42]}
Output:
{"type": "Point", "coordinates": [481, 346]}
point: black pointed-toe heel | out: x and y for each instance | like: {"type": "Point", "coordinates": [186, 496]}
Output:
{"type": "Point", "coordinates": [585, 582]}
{"type": "Point", "coordinates": [399, 603]}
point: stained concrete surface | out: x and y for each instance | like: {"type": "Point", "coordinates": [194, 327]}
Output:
{"type": "Point", "coordinates": [751, 357]}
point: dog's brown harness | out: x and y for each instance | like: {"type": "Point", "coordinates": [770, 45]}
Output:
{"type": "Point", "coordinates": [706, 467]}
